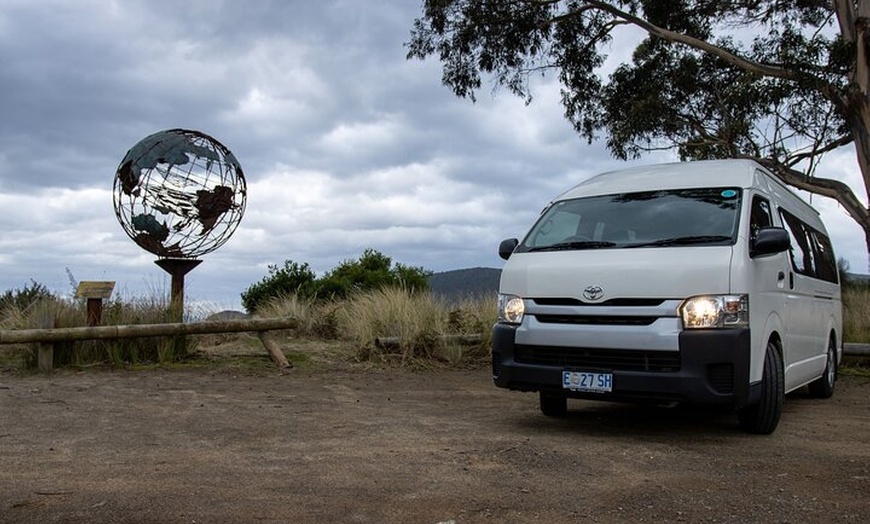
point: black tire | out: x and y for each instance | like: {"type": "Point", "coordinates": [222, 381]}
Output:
{"type": "Point", "coordinates": [553, 405]}
{"type": "Point", "coordinates": [763, 417]}
{"type": "Point", "coordinates": [823, 387]}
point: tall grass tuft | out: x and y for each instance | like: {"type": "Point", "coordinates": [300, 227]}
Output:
{"type": "Point", "coordinates": [414, 320]}
{"type": "Point", "coordinates": [396, 326]}
{"type": "Point", "coordinates": [472, 316]}
{"type": "Point", "coordinates": [317, 319]}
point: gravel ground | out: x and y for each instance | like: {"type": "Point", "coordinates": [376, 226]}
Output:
{"type": "Point", "coordinates": [372, 446]}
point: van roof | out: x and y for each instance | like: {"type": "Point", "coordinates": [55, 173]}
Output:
{"type": "Point", "coordinates": [677, 175]}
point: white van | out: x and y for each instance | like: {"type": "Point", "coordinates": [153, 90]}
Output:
{"type": "Point", "coordinates": [702, 282]}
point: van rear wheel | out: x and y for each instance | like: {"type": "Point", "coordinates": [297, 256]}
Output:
{"type": "Point", "coordinates": [763, 417]}
{"type": "Point", "coordinates": [553, 405]}
{"type": "Point", "coordinates": [823, 387]}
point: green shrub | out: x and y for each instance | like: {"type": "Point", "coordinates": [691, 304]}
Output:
{"type": "Point", "coordinates": [292, 279]}
{"type": "Point", "coordinates": [373, 270]}
{"type": "Point", "coordinates": [22, 299]}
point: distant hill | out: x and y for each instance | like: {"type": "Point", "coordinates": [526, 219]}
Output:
{"type": "Point", "coordinates": [460, 284]}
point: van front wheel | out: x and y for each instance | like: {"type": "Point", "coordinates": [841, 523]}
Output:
{"type": "Point", "coordinates": [763, 417]}
{"type": "Point", "coordinates": [553, 405]}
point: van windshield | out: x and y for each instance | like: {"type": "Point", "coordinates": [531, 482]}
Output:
{"type": "Point", "coordinates": [679, 217]}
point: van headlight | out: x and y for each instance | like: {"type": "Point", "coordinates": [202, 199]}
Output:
{"type": "Point", "coordinates": [715, 311]}
{"type": "Point", "coordinates": [510, 309]}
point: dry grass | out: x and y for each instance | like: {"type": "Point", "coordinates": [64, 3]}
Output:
{"type": "Point", "coordinates": [316, 319]}
{"type": "Point", "coordinates": [856, 314]}
{"type": "Point", "coordinates": [58, 313]}
{"type": "Point", "coordinates": [413, 328]}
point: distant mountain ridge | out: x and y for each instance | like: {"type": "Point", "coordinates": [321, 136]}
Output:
{"type": "Point", "coordinates": [461, 284]}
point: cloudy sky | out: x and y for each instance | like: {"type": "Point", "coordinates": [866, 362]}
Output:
{"type": "Point", "coordinates": [345, 144]}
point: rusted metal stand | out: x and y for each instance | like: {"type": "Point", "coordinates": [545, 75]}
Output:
{"type": "Point", "coordinates": [177, 267]}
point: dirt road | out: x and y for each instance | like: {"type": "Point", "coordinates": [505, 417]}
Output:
{"type": "Point", "coordinates": [372, 446]}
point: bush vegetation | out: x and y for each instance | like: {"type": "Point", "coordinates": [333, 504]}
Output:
{"type": "Point", "coordinates": [373, 270]}
{"type": "Point", "coordinates": [378, 322]}
{"type": "Point", "coordinates": [418, 323]}
{"type": "Point", "coordinates": [22, 298]}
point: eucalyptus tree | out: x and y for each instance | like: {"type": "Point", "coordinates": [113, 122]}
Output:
{"type": "Point", "coordinates": [784, 82]}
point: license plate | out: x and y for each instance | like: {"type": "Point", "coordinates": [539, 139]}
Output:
{"type": "Point", "coordinates": [585, 381]}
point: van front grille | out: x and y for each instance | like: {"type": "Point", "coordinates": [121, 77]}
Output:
{"type": "Point", "coordinates": [613, 302]}
{"type": "Point", "coordinates": [603, 359]}
{"type": "Point", "coordinates": [597, 320]}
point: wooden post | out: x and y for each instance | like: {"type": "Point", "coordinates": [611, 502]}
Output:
{"type": "Point", "coordinates": [274, 349]}
{"type": "Point", "coordinates": [95, 292]}
{"type": "Point", "coordinates": [45, 350]}
{"type": "Point", "coordinates": [177, 268]}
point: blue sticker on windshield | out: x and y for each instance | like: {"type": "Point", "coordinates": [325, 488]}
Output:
{"type": "Point", "coordinates": [729, 193]}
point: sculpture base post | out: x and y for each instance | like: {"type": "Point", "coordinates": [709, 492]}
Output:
{"type": "Point", "coordinates": [178, 268]}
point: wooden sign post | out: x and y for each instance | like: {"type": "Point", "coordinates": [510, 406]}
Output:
{"type": "Point", "coordinates": [95, 292]}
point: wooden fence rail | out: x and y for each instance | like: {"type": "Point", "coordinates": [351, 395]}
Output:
{"type": "Point", "coordinates": [19, 336]}
{"type": "Point", "coordinates": [856, 350]}
{"type": "Point", "coordinates": [45, 337]}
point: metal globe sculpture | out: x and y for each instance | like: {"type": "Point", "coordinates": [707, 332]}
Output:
{"type": "Point", "coordinates": [179, 194]}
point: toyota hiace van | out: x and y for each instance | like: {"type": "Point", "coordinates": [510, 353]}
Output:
{"type": "Point", "coordinates": [696, 282]}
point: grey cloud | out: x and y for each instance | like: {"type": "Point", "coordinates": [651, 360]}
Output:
{"type": "Point", "coordinates": [303, 93]}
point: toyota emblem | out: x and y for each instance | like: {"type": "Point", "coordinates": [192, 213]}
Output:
{"type": "Point", "coordinates": [593, 292]}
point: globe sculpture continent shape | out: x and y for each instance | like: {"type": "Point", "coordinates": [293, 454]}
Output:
{"type": "Point", "coordinates": [179, 193]}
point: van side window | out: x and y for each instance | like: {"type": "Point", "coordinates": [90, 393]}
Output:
{"type": "Point", "coordinates": [811, 251]}
{"type": "Point", "coordinates": [826, 264]}
{"type": "Point", "coordinates": [759, 215]}
{"type": "Point", "coordinates": [801, 249]}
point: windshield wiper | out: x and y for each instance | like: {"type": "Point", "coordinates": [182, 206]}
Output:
{"type": "Point", "coordinates": [683, 241]}
{"type": "Point", "coordinates": [564, 246]}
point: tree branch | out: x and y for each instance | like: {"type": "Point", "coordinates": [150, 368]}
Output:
{"type": "Point", "coordinates": [845, 10]}
{"type": "Point", "coordinates": [827, 187]}
{"type": "Point", "coordinates": [797, 158]}
{"type": "Point", "coordinates": [701, 45]}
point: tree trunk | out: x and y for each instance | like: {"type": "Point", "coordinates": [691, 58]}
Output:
{"type": "Point", "coordinates": [854, 29]}
{"type": "Point", "coordinates": [867, 239]}
{"type": "Point", "coordinates": [861, 132]}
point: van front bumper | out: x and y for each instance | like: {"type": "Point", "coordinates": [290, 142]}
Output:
{"type": "Point", "coordinates": [710, 367]}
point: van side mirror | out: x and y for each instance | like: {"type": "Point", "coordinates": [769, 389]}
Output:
{"type": "Point", "coordinates": [769, 241]}
{"type": "Point", "coordinates": [506, 248]}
